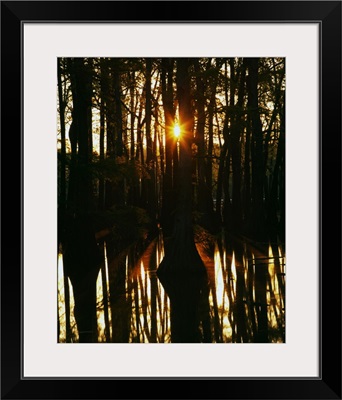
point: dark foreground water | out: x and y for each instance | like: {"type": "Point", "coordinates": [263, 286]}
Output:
{"type": "Point", "coordinates": [244, 303]}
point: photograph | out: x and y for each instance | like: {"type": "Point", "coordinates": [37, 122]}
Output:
{"type": "Point", "coordinates": [171, 196]}
{"type": "Point", "coordinates": [171, 200]}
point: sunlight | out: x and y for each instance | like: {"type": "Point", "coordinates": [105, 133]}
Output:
{"type": "Point", "coordinates": [62, 304]}
{"type": "Point", "coordinates": [272, 292]}
{"type": "Point", "coordinates": [222, 299]}
{"type": "Point", "coordinates": [271, 268]}
{"type": "Point", "coordinates": [233, 276]}
{"type": "Point", "coordinates": [61, 298]}
{"type": "Point", "coordinates": [142, 271]}
{"type": "Point", "coordinates": [282, 260]}
{"type": "Point", "coordinates": [99, 308]}
{"type": "Point", "coordinates": [176, 131]}
{"type": "Point", "coordinates": [219, 282]}
{"type": "Point", "coordinates": [127, 274]}
{"type": "Point", "coordinates": [253, 263]}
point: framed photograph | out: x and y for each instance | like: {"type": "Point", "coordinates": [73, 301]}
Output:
{"type": "Point", "coordinates": [169, 160]}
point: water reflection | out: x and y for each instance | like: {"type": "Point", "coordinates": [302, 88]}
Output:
{"type": "Point", "coordinates": [66, 306]}
{"type": "Point", "coordinates": [245, 297]}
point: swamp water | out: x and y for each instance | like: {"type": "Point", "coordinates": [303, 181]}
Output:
{"type": "Point", "coordinates": [245, 299]}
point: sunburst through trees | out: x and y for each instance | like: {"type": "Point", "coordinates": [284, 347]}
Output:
{"type": "Point", "coordinates": [171, 200]}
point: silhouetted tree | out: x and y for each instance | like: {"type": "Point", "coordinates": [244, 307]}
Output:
{"type": "Point", "coordinates": [169, 181]}
{"type": "Point", "coordinates": [81, 254]}
{"type": "Point", "coordinates": [182, 271]}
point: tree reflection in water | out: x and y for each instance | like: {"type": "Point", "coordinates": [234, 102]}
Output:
{"type": "Point", "coordinates": [233, 305]}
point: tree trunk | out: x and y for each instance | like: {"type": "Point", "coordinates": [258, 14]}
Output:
{"type": "Point", "coordinates": [182, 272]}
{"type": "Point", "coordinates": [168, 191]}
{"type": "Point", "coordinates": [282, 180]}
{"type": "Point", "coordinates": [62, 185]}
{"type": "Point", "coordinates": [102, 130]}
{"type": "Point", "coordinates": [257, 152]}
{"type": "Point", "coordinates": [258, 211]}
{"type": "Point", "coordinates": [205, 200]}
{"type": "Point", "coordinates": [150, 156]}
{"type": "Point", "coordinates": [62, 196]}
{"type": "Point", "coordinates": [236, 129]}
{"type": "Point", "coordinates": [247, 180]}
{"type": "Point", "coordinates": [81, 256]}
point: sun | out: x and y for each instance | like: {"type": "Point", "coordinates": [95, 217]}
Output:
{"type": "Point", "coordinates": [176, 131]}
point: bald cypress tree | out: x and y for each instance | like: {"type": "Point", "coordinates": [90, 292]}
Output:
{"type": "Point", "coordinates": [182, 271]}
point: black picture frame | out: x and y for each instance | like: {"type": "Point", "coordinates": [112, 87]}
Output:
{"type": "Point", "coordinates": [328, 384]}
